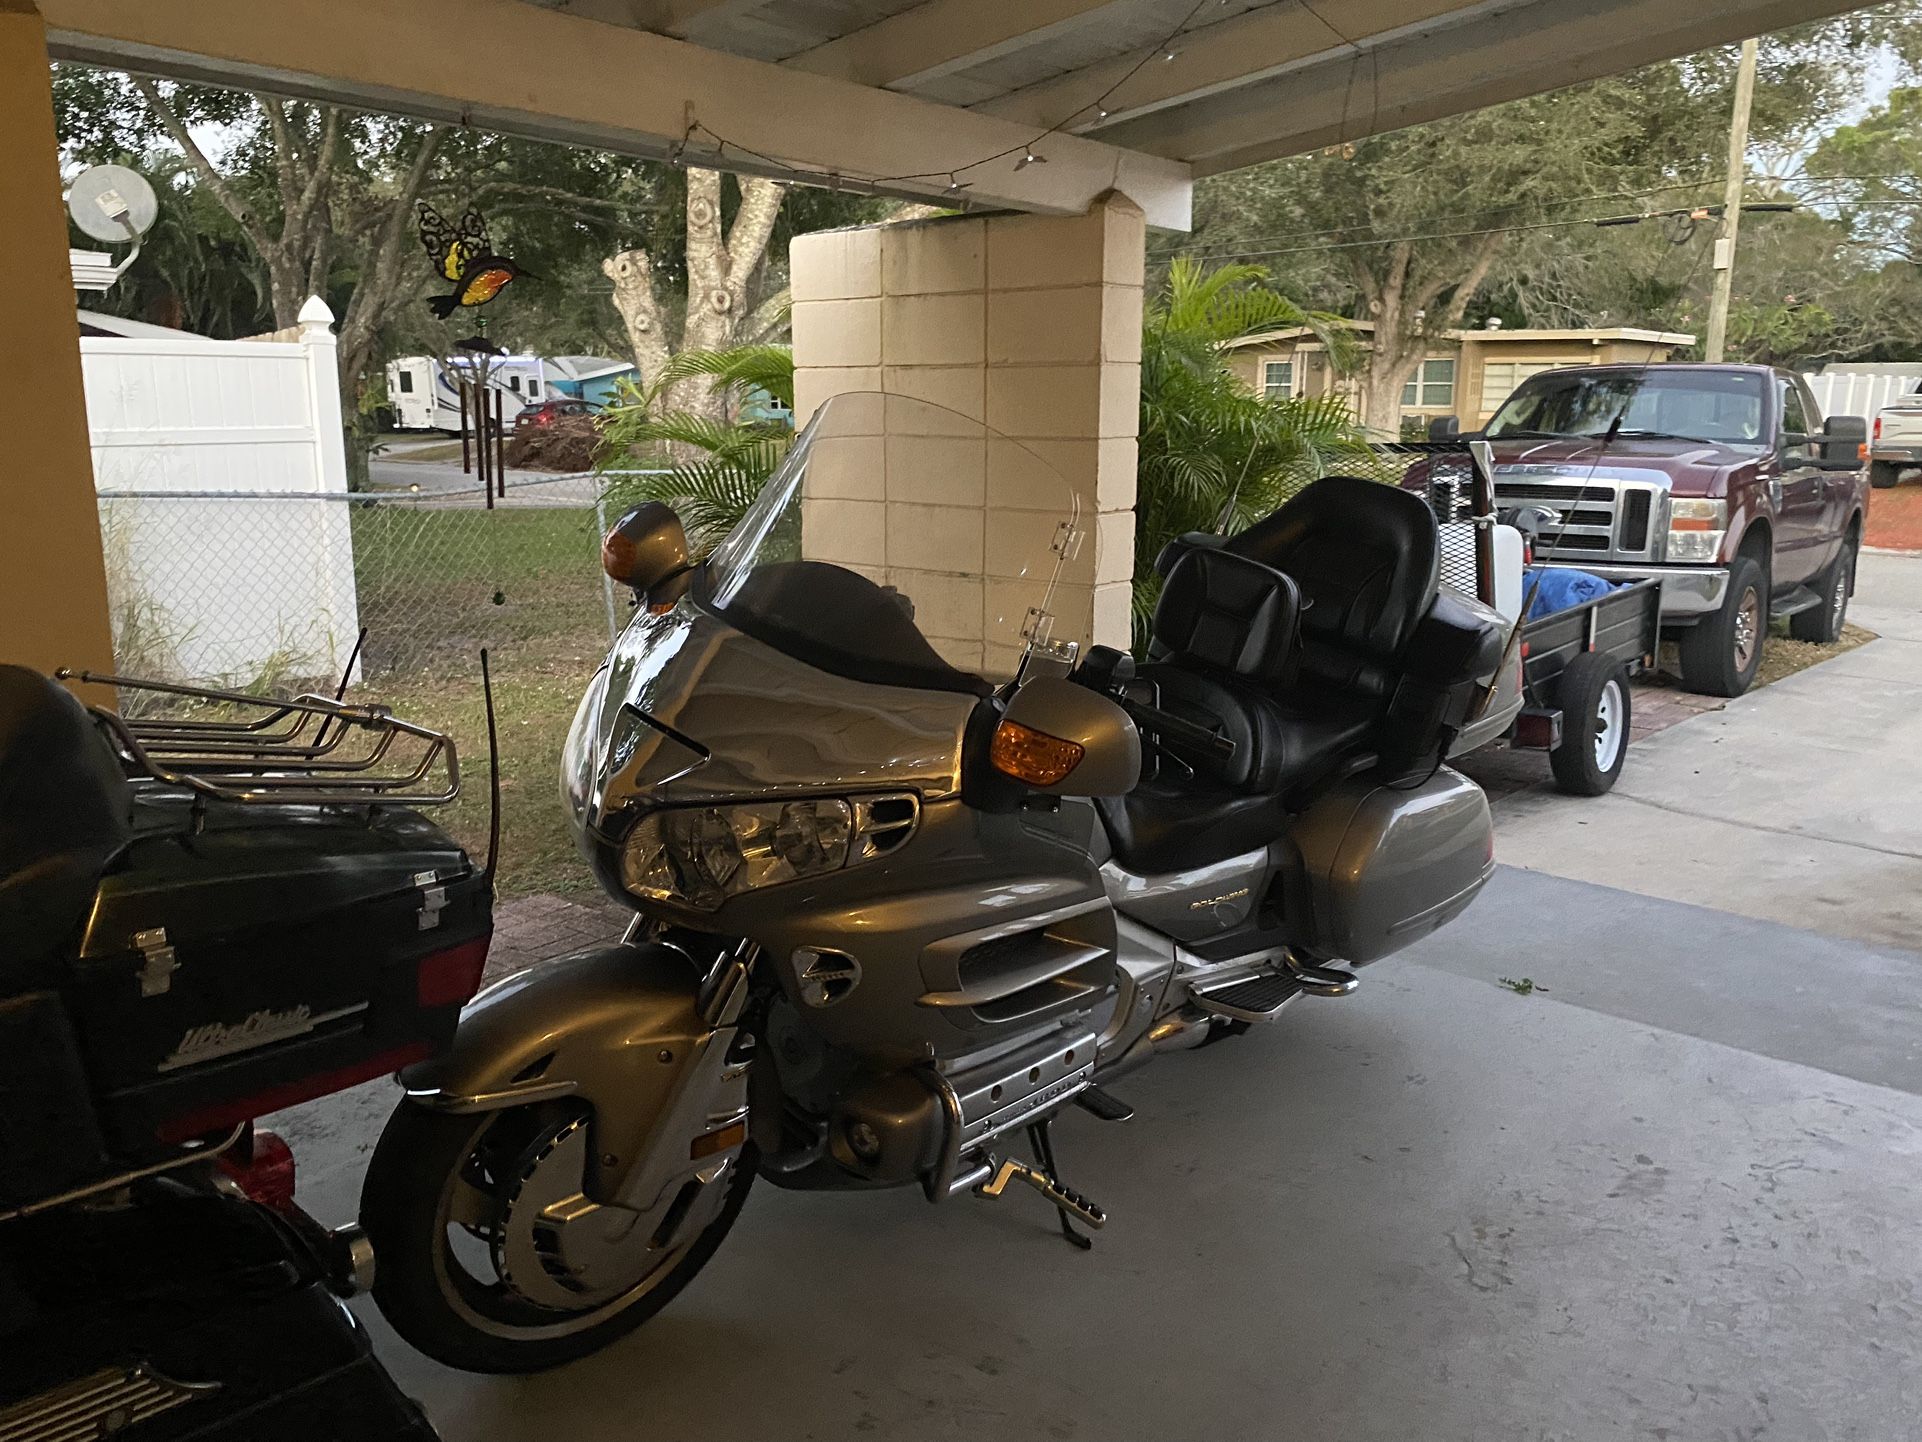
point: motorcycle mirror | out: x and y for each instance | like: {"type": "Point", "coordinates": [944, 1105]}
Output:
{"type": "Point", "coordinates": [645, 547]}
{"type": "Point", "coordinates": [1061, 738]}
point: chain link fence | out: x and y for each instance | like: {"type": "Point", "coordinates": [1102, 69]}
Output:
{"type": "Point", "coordinates": [266, 590]}
{"type": "Point", "coordinates": [269, 592]}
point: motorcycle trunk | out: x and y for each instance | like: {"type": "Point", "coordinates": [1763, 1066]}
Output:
{"type": "Point", "coordinates": [230, 961]}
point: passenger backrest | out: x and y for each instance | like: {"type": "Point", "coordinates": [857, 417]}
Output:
{"type": "Point", "coordinates": [1366, 558]}
{"type": "Point", "coordinates": [1225, 612]}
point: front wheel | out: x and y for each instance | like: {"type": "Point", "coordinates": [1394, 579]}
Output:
{"type": "Point", "coordinates": [1722, 653]}
{"type": "Point", "coordinates": [489, 1256]}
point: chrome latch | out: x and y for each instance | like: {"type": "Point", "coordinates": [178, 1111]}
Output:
{"type": "Point", "coordinates": [157, 961]}
{"type": "Point", "coordinates": [433, 899]}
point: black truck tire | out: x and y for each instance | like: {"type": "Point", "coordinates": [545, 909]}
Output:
{"type": "Point", "coordinates": [1592, 695]}
{"type": "Point", "coordinates": [1722, 653]}
{"type": "Point", "coordinates": [1823, 624]}
{"type": "Point", "coordinates": [1884, 474]}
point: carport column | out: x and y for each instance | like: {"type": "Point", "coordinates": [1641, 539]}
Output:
{"type": "Point", "coordinates": [53, 581]}
{"type": "Point", "coordinates": [1030, 323]}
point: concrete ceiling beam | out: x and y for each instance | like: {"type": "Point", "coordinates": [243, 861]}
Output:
{"type": "Point", "coordinates": [549, 75]}
{"type": "Point", "coordinates": [941, 37]}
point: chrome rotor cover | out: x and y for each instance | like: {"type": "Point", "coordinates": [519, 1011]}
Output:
{"type": "Point", "coordinates": [559, 1249]}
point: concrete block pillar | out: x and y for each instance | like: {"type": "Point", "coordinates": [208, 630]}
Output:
{"type": "Point", "coordinates": [53, 579]}
{"type": "Point", "coordinates": [1031, 324]}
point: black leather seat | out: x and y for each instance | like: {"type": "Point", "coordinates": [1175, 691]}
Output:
{"type": "Point", "coordinates": [64, 809]}
{"type": "Point", "coordinates": [1361, 561]}
{"type": "Point", "coordinates": [1367, 560]}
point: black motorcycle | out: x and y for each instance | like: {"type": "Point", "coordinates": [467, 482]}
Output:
{"type": "Point", "coordinates": [212, 913]}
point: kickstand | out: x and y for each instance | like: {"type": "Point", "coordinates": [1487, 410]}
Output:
{"type": "Point", "coordinates": [1042, 1141]}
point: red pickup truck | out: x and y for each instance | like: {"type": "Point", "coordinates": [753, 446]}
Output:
{"type": "Point", "coordinates": [1720, 481]}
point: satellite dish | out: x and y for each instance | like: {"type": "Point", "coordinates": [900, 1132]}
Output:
{"type": "Point", "coordinates": [113, 203]}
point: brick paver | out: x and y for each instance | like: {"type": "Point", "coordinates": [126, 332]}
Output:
{"type": "Point", "coordinates": [530, 929]}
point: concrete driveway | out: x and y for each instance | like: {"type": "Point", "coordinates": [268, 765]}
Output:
{"type": "Point", "coordinates": [1799, 803]}
{"type": "Point", "coordinates": [1671, 1195]}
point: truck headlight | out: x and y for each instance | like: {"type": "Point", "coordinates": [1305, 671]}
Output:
{"type": "Point", "coordinates": [1696, 530]}
{"type": "Point", "coordinates": [701, 855]}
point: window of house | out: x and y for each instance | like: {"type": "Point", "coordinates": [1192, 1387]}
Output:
{"type": "Point", "coordinates": [1278, 379]}
{"type": "Point", "coordinates": [406, 382]}
{"type": "Point", "coordinates": [1499, 378]}
{"type": "Point", "coordinates": [1431, 387]}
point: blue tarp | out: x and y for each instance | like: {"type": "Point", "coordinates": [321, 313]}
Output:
{"type": "Point", "coordinates": [1560, 588]}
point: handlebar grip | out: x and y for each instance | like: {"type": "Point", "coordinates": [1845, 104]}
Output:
{"type": "Point", "coordinates": [1175, 728]}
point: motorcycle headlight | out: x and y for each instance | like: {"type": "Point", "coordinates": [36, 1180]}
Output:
{"type": "Point", "coordinates": [700, 856]}
{"type": "Point", "coordinates": [1696, 529]}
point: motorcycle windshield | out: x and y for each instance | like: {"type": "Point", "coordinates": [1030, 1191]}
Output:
{"type": "Point", "coordinates": [904, 544]}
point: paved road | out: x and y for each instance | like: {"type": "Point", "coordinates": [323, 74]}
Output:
{"type": "Point", "coordinates": [446, 481]}
{"type": "Point", "coordinates": [1669, 1196]}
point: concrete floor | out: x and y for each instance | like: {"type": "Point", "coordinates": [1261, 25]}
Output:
{"type": "Point", "coordinates": [1670, 1196]}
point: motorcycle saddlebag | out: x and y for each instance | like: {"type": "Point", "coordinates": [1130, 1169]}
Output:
{"type": "Point", "coordinates": [263, 956]}
{"type": "Point", "coordinates": [185, 1315]}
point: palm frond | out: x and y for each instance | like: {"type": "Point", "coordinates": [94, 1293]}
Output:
{"type": "Point", "coordinates": [1207, 444]}
{"type": "Point", "coordinates": [741, 367]}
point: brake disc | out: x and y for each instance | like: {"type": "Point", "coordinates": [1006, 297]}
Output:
{"type": "Point", "coordinates": [557, 1247]}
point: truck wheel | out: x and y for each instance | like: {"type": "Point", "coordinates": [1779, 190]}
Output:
{"type": "Point", "coordinates": [1823, 623]}
{"type": "Point", "coordinates": [1721, 653]}
{"type": "Point", "coordinates": [1884, 474]}
{"type": "Point", "coordinates": [1593, 696]}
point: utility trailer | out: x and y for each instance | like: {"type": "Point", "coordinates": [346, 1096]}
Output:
{"type": "Point", "coordinates": [1563, 686]}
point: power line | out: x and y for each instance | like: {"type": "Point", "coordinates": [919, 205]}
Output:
{"type": "Point", "coordinates": [1202, 250]}
{"type": "Point", "coordinates": [1693, 212]}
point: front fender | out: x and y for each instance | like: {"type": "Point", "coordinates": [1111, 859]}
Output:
{"type": "Point", "coordinates": [615, 1027]}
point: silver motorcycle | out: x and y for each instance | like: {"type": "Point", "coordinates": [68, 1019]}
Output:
{"type": "Point", "coordinates": [913, 867]}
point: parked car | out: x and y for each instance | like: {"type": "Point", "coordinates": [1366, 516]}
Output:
{"type": "Point", "coordinates": [547, 412]}
{"type": "Point", "coordinates": [1896, 444]}
{"type": "Point", "coordinates": [1720, 481]}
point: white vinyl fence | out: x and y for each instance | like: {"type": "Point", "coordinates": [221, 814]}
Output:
{"type": "Point", "coordinates": [199, 586]}
{"type": "Point", "coordinates": [1859, 393]}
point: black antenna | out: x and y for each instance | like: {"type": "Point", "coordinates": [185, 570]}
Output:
{"type": "Point", "coordinates": [1606, 440]}
{"type": "Point", "coordinates": [1227, 515]}
{"type": "Point", "coordinates": [347, 671]}
{"type": "Point", "coordinates": [346, 675]}
{"type": "Point", "coordinates": [493, 775]}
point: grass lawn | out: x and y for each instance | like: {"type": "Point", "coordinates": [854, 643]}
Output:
{"type": "Point", "coordinates": [1782, 654]}
{"type": "Point", "coordinates": [436, 585]}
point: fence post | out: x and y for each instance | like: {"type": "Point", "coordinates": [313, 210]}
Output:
{"type": "Point", "coordinates": [320, 353]}
{"type": "Point", "coordinates": [607, 581]}
{"type": "Point", "coordinates": [322, 350]}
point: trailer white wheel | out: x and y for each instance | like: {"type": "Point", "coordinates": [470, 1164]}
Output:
{"type": "Point", "coordinates": [1593, 696]}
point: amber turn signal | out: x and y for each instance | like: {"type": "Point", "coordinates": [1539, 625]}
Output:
{"type": "Point", "coordinates": [1033, 756]}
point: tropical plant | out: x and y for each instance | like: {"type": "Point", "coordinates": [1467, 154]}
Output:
{"type": "Point", "coordinates": [708, 468]}
{"type": "Point", "coordinates": [1212, 449]}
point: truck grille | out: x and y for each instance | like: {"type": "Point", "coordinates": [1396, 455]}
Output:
{"type": "Point", "coordinates": [1602, 519]}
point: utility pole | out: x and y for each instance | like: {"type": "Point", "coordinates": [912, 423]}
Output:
{"type": "Point", "coordinates": [1731, 203]}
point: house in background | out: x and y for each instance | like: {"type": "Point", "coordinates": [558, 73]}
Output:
{"type": "Point", "coordinates": [595, 379]}
{"type": "Point", "coordinates": [1466, 373]}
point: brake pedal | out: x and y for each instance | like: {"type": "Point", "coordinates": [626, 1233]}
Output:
{"type": "Point", "coordinates": [1096, 1102]}
{"type": "Point", "coordinates": [1068, 1200]}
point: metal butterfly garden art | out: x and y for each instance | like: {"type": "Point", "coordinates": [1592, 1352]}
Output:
{"type": "Point", "coordinates": [463, 254]}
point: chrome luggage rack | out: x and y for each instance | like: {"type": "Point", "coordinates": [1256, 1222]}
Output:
{"type": "Point", "coordinates": [279, 752]}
